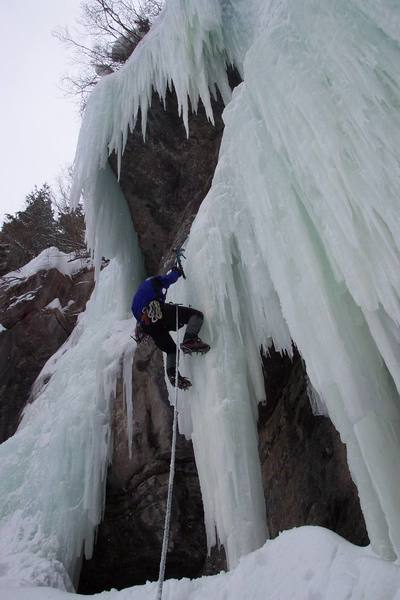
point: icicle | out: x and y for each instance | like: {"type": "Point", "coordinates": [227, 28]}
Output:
{"type": "Point", "coordinates": [127, 386]}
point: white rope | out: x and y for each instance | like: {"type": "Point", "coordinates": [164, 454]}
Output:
{"type": "Point", "coordinates": [171, 472]}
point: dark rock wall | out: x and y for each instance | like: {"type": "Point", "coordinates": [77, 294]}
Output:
{"type": "Point", "coordinates": [304, 465]}
{"type": "Point", "coordinates": [129, 541]}
{"type": "Point", "coordinates": [165, 178]}
{"type": "Point", "coordinates": [34, 333]}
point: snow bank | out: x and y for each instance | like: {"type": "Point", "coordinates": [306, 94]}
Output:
{"type": "Point", "coordinates": [305, 563]}
{"type": "Point", "coordinates": [50, 258]}
{"type": "Point", "coordinates": [55, 305]}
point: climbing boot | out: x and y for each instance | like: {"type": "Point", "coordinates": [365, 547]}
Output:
{"type": "Point", "coordinates": [183, 382]}
{"type": "Point", "coordinates": [194, 344]}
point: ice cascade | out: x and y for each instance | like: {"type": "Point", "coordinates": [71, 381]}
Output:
{"type": "Point", "coordinates": [297, 239]}
{"type": "Point", "coordinates": [53, 470]}
{"type": "Point", "coordinates": [302, 227]}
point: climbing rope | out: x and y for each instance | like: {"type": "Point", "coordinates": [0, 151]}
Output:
{"type": "Point", "coordinates": [171, 471]}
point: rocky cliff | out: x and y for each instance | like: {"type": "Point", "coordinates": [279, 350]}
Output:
{"type": "Point", "coordinates": [38, 311]}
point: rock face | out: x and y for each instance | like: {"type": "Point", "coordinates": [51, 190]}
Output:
{"type": "Point", "coordinates": [166, 178]}
{"type": "Point", "coordinates": [38, 314]}
{"type": "Point", "coordinates": [304, 465]}
{"type": "Point", "coordinates": [129, 540]}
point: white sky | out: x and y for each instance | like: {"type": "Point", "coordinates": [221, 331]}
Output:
{"type": "Point", "coordinates": [38, 125]}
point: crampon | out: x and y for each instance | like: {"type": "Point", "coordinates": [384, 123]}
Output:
{"type": "Point", "coordinates": [194, 346]}
{"type": "Point", "coordinates": [183, 382]}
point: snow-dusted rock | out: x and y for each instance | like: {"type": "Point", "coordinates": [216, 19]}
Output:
{"type": "Point", "coordinates": [35, 323]}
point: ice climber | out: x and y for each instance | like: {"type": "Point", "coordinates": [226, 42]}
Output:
{"type": "Point", "coordinates": [156, 318]}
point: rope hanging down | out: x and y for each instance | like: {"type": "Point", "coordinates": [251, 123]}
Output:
{"type": "Point", "coordinates": [171, 471]}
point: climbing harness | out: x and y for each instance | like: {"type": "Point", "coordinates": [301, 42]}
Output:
{"type": "Point", "coordinates": [171, 472]}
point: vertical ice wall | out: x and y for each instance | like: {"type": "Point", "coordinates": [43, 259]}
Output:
{"type": "Point", "coordinates": [228, 281]}
{"type": "Point", "coordinates": [53, 470]}
{"type": "Point", "coordinates": [307, 185]}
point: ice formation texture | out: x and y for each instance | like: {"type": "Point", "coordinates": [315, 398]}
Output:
{"type": "Point", "coordinates": [302, 227]}
{"type": "Point", "coordinates": [53, 470]}
{"type": "Point", "coordinates": [300, 232]}
{"type": "Point", "coordinates": [297, 239]}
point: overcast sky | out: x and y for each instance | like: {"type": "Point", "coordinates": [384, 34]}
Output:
{"type": "Point", "coordinates": [39, 126]}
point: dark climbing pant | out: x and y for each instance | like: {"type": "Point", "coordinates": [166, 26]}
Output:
{"type": "Point", "coordinates": [159, 330]}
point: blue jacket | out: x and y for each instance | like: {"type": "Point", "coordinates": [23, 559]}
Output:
{"type": "Point", "coordinates": [153, 288]}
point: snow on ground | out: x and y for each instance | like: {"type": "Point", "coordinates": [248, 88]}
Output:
{"type": "Point", "coordinates": [56, 305]}
{"type": "Point", "coordinates": [308, 563]}
{"type": "Point", "coordinates": [50, 258]}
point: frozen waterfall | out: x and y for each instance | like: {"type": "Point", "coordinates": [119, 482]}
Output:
{"type": "Point", "coordinates": [298, 239]}
{"type": "Point", "coordinates": [300, 231]}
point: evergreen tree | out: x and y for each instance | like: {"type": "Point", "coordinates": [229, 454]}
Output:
{"type": "Point", "coordinates": [71, 229]}
{"type": "Point", "coordinates": [28, 232]}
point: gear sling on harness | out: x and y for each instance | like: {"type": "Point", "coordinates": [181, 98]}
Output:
{"type": "Point", "coordinates": [153, 311]}
{"type": "Point", "coordinates": [167, 522]}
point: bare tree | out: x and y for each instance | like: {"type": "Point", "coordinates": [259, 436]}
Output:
{"type": "Point", "coordinates": [70, 221]}
{"type": "Point", "coordinates": [107, 33]}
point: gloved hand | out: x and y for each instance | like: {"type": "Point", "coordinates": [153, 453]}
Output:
{"type": "Point", "coordinates": [179, 269]}
{"type": "Point", "coordinates": [178, 262]}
